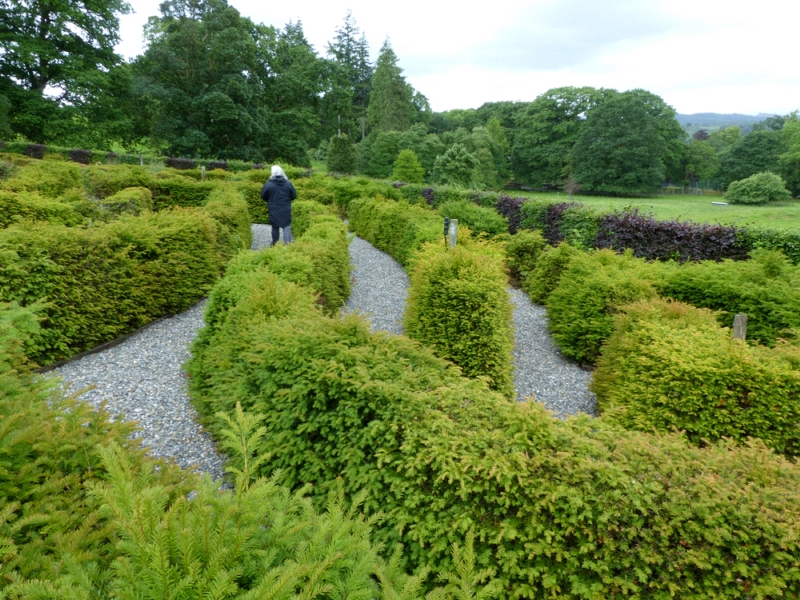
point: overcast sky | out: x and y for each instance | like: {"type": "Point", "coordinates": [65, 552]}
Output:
{"type": "Point", "coordinates": [699, 56]}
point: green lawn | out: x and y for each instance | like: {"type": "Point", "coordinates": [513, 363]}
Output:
{"type": "Point", "coordinates": [783, 215]}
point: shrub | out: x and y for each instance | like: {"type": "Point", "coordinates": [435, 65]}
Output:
{"type": "Point", "coordinates": [49, 178]}
{"type": "Point", "coordinates": [546, 274]}
{"type": "Point", "coordinates": [591, 289]}
{"type": "Point", "coordinates": [102, 181]}
{"type": "Point", "coordinates": [32, 207]}
{"type": "Point", "coordinates": [397, 228]}
{"type": "Point", "coordinates": [218, 164]}
{"type": "Point", "coordinates": [105, 281]}
{"type": "Point", "coordinates": [303, 212]}
{"type": "Point", "coordinates": [407, 167]}
{"type": "Point", "coordinates": [35, 150]}
{"type": "Point", "coordinates": [133, 200]}
{"type": "Point", "coordinates": [511, 209]}
{"type": "Point", "coordinates": [670, 365]}
{"type": "Point", "coordinates": [341, 155]}
{"type": "Point", "coordinates": [458, 306]}
{"type": "Point", "coordinates": [522, 252]}
{"type": "Point", "coordinates": [233, 230]}
{"type": "Point", "coordinates": [255, 204]}
{"type": "Point", "coordinates": [766, 289]}
{"type": "Point", "coordinates": [477, 218]}
{"type": "Point", "coordinates": [758, 189]}
{"type": "Point", "coordinates": [83, 157]}
{"type": "Point", "coordinates": [670, 240]}
{"type": "Point", "coordinates": [180, 163]}
{"type": "Point", "coordinates": [784, 240]}
{"type": "Point", "coordinates": [576, 508]}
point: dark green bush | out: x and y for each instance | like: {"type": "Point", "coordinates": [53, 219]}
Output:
{"type": "Point", "coordinates": [132, 201]}
{"type": "Point", "coordinates": [459, 307]}
{"type": "Point", "coordinates": [341, 156]}
{"type": "Point", "coordinates": [522, 252]}
{"type": "Point", "coordinates": [785, 240]}
{"type": "Point", "coordinates": [398, 228]}
{"type": "Point", "coordinates": [571, 509]}
{"type": "Point", "coordinates": [477, 218]}
{"type": "Point", "coordinates": [546, 273]}
{"type": "Point", "coordinates": [30, 206]}
{"type": "Point", "coordinates": [766, 289]}
{"type": "Point", "coordinates": [591, 289]}
{"type": "Point", "coordinates": [669, 365]}
{"type": "Point", "coordinates": [758, 189]}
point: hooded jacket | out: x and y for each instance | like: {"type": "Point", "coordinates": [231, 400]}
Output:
{"type": "Point", "coordinates": [278, 192]}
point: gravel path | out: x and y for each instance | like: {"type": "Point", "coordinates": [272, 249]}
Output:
{"type": "Point", "coordinates": [379, 290]}
{"type": "Point", "coordinates": [379, 286]}
{"type": "Point", "coordinates": [142, 380]}
{"type": "Point", "coordinates": [540, 369]}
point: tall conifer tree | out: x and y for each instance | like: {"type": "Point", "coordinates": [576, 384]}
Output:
{"type": "Point", "coordinates": [390, 105]}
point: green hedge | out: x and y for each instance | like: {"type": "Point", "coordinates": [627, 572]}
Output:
{"type": "Point", "coordinates": [15, 207]}
{"type": "Point", "coordinates": [104, 281]}
{"type": "Point", "coordinates": [477, 218]}
{"type": "Point", "coordinates": [522, 253]}
{"type": "Point", "coordinates": [766, 289]}
{"type": "Point", "coordinates": [670, 365]}
{"type": "Point", "coordinates": [573, 509]}
{"type": "Point", "coordinates": [546, 274]}
{"type": "Point", "coordinates": [87, 515]}
{"type": "Point", "coordinates": [397, 228]}
{"type": "Point", "coordinates": [257, 206]}
{"type": "Point", "coordinates": [459, 307]}
{"type": "Point", "coordinates": [590, 290]}
{"type": "Point", "coordinates": [133, 200]}
{"type": "Point", "coordinates": [49, 178]}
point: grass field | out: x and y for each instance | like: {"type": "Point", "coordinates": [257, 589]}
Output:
{"type": "Point", "coordinates": [783, 215]}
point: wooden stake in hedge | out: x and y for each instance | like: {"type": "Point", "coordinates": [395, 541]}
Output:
{"type": "Point", "coordinates": [453, 232]}
{"type": "Point", "coordinates": [740, 327]}
{"type": "Point", "coordinates": [203, 173]}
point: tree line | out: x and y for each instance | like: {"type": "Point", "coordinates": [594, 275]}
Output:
{"type": "Point", "coordinates": [212, 83]}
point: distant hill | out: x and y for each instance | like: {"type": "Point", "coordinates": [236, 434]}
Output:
{"type": "Point", "coordinates": [714, 121]}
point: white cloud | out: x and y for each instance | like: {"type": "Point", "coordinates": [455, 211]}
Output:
{"type": "Point", "coordinates": [698, 55]}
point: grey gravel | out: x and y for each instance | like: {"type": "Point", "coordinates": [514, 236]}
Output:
{"type": "Point", "coordinates": [379, 287]}
{"type": "Point", "coordinates": [379, 290]}
{"type": "Point", "coordinates": [142, 380]}
{"type": "Point", "coordinates": [540, 369]}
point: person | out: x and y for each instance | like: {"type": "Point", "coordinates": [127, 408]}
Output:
{"type": "Point", "coordinates": [278, 192]}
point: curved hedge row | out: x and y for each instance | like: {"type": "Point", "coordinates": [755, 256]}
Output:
{"type": "Point", "coordinates": [574, 509]}
{"type": "Point", "coordinates": [86, 514]}
{"type": "Point", "coordinates": [669, 365]}
{"type": "Point", "coordinates": [101, 282]}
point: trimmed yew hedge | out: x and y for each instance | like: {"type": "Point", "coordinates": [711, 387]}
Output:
{"type": "Point", "coordinates": [669, 365]}
{"type": "Point", "coordinates": [459, 307]}
{"type": "Point", "coordinates": [574, 509]}
{"type": "Point", "coordinates": [103, 281]}
{"type": "Point", "coordinates": [398, 228]}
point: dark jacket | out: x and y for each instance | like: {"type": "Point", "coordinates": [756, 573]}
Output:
{"type": "Point", "coordinates": [278, 193]}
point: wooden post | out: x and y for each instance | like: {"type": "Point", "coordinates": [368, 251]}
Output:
{"type": "Point", "coordinates": [141, 160]}
{"type": "Point", "coordinates": [453, 238]}
{"type": "Point", "coordinates": [202, 173]}
{"type": "Point", "coordinates": [740, 327]}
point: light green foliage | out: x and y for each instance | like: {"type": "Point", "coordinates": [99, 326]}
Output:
{"type": "Point", "coordinates": [477, 218]}
{"type": "Point", "coordinates": [303, 212]}
{"type": "Point", "coordinates": [131, 200]}
{"type": "Point", "coordinates": [758, 189]}
{"type": "Point", "coordinates": [456, 167]}
{"type": "Point", "coordinates": [232, 222]}
{"type": "Point", "coordinates": [572, 509]}
{"type": "Point", "coordinates": [670, 365]}
{"type": "Point", "coordinates": [766, 289]}
{"type": "Point", "coordinates": [790, 159]}
{"type": "Point", "coordinates": [522, 253]}
{"type": "Point", "coordinates": [458, 306]}
{"type": "Point", "coordinates": [398, 228]}
{"type": "Point", "coordinates": [407, 168]}
{"type": "Point", "coordinates": [546, 274]}
{"type": "Point", "coordinates": [30, 206]}
{"type": "Point", "coordinates": [590, 290]}
{"type": "Point", "coordinates": [341, 156]}
{"type": "Point", "coordinates": [255, 205]}
{"type": "Point", "coordinates": [49, 178]}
